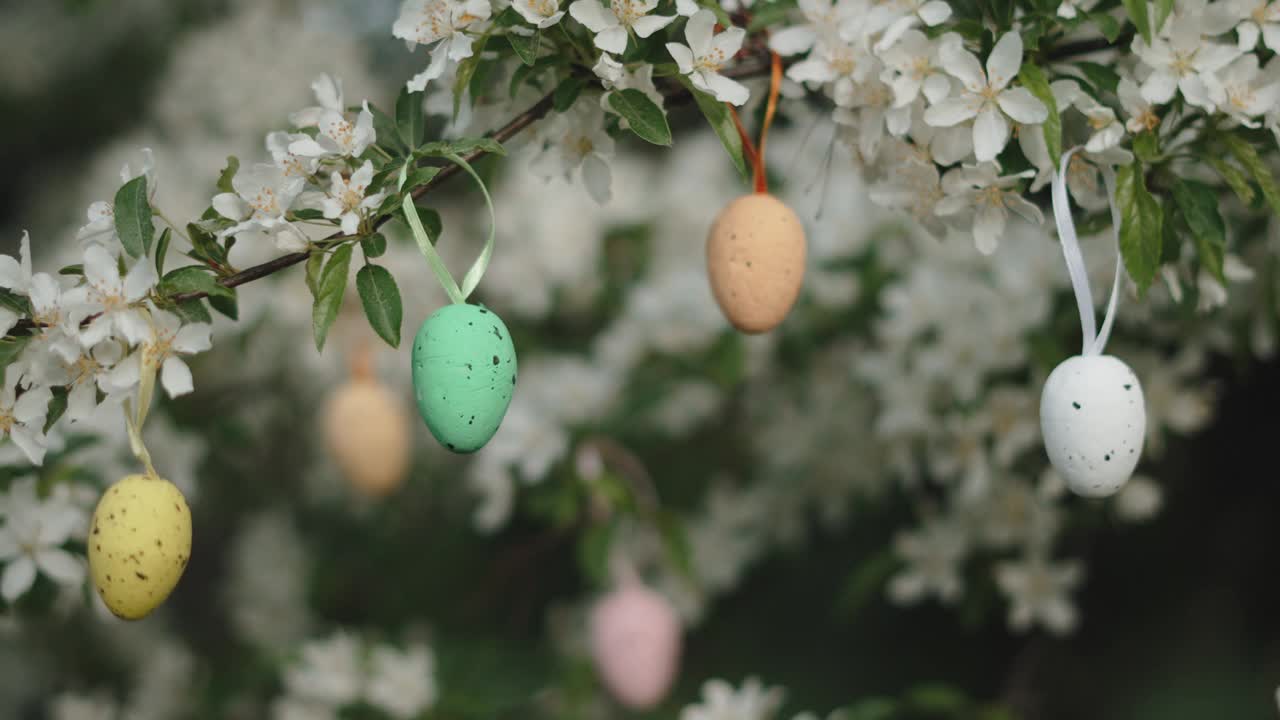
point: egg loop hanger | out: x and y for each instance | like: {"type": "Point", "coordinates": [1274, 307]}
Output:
{"type": "Point", "coordinates": [1094, 340]}
{"type": "Point", "coordinates": [754, 153]}
{"type": "Point", "coordinates": [457, 294]}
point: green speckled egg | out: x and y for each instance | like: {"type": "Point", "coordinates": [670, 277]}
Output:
{"type": "Point", "coordinates": [464, 371]}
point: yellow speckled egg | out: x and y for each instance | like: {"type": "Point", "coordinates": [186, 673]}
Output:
{"type": "Point", "coordinates": [139, 544]}
{"type": "Point", "coordinates": [367, 430]}
{"type": "Point", "coordinates": [755, 260]}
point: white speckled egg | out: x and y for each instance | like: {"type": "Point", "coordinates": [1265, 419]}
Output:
{"type": "Point", "coordinates": [1094, 419]}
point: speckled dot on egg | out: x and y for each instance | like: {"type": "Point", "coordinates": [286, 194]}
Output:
{"type": "Point", "coordinates": [464, 371]}
{"type": "Point", "coordinates": [139, 544]}
{"type": "Point", "coordinates": [1093, 418]}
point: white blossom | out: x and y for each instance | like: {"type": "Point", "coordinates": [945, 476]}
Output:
{"type": "Point", "coordinates": [1258, 19]}
{"type": "Point", "coordinates": [1246, 92]}
{"type": "Point", "coordinates": [577, 139]}
{"type": "Point", "coordinates": [32, 537]}
{"type": "Point", "coordinates": [721, 701]}
{"type": "Point", "coordinates": [985, 96]}
{"type": "Point", "coordinates": [401, 683]}
{"type": "Point", "coordinates": [611, 25]}
{"type": "Point", "coordinates": [912, 69]}
{"type": "Point", "coordinates": [539, 13]}
{"type": "Point", "coordinates": [115, 301]}
{"type": "Point", "coordinates": [262, 197]}
{"type": "Point", "coordinates": [706, 53]}
{"type": "Point", "coordinates": [328, 672]}
{"type": "Point", "coordinates": [895, 17]}
{"type": "Point", "coordinates": [1181, 60]}
{"type": "Point", "coordinates": [933, 554]}
{"type": "Point", "coordinates": [293, 165]}
{"type": "Point", "coordinates": [345, 198]}
{"type": "Point", "coordinates": [823, 20]}
{"type": "Point", "coordinates": [981, 193]}
{"type": "Point", "coordinates": [1040, 592]}
{"type": "Point", "coordinates": [164, 350]}
{"type": "Point", "coordinates": [423, 22]}
{"type": "Point", "coordinates": [844, 65]}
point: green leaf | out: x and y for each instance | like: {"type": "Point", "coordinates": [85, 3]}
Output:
{"type": "Point", "coordinates": [1198, 204]}
{"type": "Point", "coordinates": [410, 120]}
{"type": "Point", "coordinates": [10, 349]}
{"type": "Point", "coordinates": [229, 174]}
{"type": "Point", "coordinates": [431, 222]}
{"type": "Point", "coordinates": [1173, 228]}
{"type": "Point", "coordinates": [1163, 8]}
{"type": "Point", "coordinates": [567, 92]}
{"type": "Point", "coordinates": [461, 146]}
{"type": "Point", "coordinates": [332, 290]}
{"type": "Point", "coordinates": [315, 263]}
{"type": "Point", "coordinates": [593, 552]}
{"type": "Point", "coordinates": [77, 269]}
{"type": "Point", "coordinates": [1105, 78]}
{"type": "Point", "coordinates": [1248, 157]}
{"type": "Point", "coordinates": [374, 246]}
{"type": "Point", "coordinates": [307, 214]}
{"type": "Point", "coordinates": [133, 217]}
{"type": "Point", "coordinates": [1107, 25]}
{"type": "Point", "coordinates": [1234, 177]}
{"type": "Point", "coordinates": [466, 69]}
{"type": "Point", "coordinates": [526, 48]}
{"type": "Point", "coordinates": [162, 249]}
{"type": "Point", "coordinates": [1137, 10]}
{"type": "Point", "coordinates": [193, 278]}
{"type": "Point", "coordinates": [381, 300]}
{"type": "Point", "coordinates": [57, 406]}
{"type": "Point", "coordinates": [1141, 238]}
{"type": "Point", "coordinates": [193, 311]}
{"type": "Point", "coordinates": [15, 302]}
{"type": "Point", "coordinates": [419, 176]}
{"type": "Point", "coordinates": [1146, 145]}
{"type": "Point", "coordinates": [765, 15]}
{"type": "Point", "coordinates": [229, 306]}
{"type": "Point", "coordinates": [204, 245]}
{"type": "Point", "coordinates": [384, 126]}
{"type": "Point", "coordinates": [643, 115]}
{"type": "Point", "coordinates": [676, 541]}
{"type": "Point", "coordinates": [718, 116]}
{"type": "Point", "coordinates": [1033, 79]}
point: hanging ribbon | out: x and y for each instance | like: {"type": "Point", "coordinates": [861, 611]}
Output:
{"type": "Point", "coordinates": [1094, 341]}
{"type": "Point", "coordinates": [755, 153]}
{"type": "Point", "coordinates": [472, 278]}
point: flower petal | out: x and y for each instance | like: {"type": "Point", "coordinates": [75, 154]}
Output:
{"type": "Point", "coordinates": [951, 111]}
{"type": "Point", "coordinates": [725, 89]}
{"type": "Point", "coordinates": [592, 15]}
{"type": "Point", "coordinates": [612, 39]}
{"type": "Point", "coordinates": [682, 56]}
{"type": "Point", "coordinates": [1019, 104]}
{"type": "Point", "coordinates": [175, 376]}
{"type": "Point", "coordinates": [961, 64]}
{"type": "Point", "coordinates": [1005, 60]}
{"type": "Point", "coordinates": [990, 134]}
{"type": "Point", "coordinates": [19, 576]}
{"type": "Point", "coordinates": [650, 24]}
{"type": "Point", "coordinates": [988, 226]}
{"type": "Point", "coordinates": [699, 32]}
{"type": "Point", "coordinates": [61, 566]}
{"type": "Point", "coordinates": [793, 40]}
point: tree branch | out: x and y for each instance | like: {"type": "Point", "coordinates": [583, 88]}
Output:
{"type": "Point", "coordinates": [673, 92]}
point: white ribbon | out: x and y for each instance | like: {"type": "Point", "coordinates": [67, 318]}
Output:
{"type": "Point", "coordinates": [1094, 341]}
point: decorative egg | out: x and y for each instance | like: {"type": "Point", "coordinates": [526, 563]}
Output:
{"type": "Point", "coordinates": [755, 260]}
{"type": "Point", "coordinates": [139, 544]}
{"type": "Point", "coordinates": [1094, 419]}
{"type": "Point", "coordinates": [464, 371]}
{"type": "Point", "coordinates": [367, 431]}
{"type": "Point", "coordinates": [635, 641]}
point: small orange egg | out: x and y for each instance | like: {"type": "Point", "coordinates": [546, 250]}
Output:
{"type": "Point", "coordinates": [368, 433]}
{"type": "Point", "coordinates": [755, 260]}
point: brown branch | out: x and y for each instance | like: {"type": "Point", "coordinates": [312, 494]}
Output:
{"type": "Point", "coordinates": [674, 93]}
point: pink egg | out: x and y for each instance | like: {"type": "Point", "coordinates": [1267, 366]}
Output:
{"type": "Point", "coordinates": [635, 638]}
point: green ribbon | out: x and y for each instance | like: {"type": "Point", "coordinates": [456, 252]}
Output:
{"type": "Point", "coordinates": [472, 278]}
